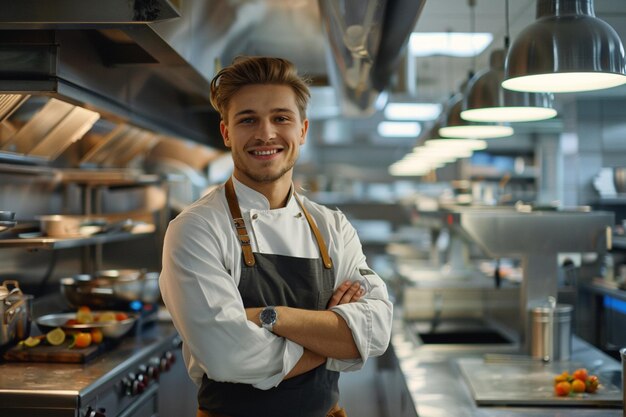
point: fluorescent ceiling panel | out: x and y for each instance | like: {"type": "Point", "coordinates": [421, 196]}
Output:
{"type": "Point", "coordinates": [458, 44]}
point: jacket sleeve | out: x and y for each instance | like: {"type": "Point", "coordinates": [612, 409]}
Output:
{"type": "Point", "coordinates": [207, 310]}
{"type": "Point", "coordinates": [370, 318]}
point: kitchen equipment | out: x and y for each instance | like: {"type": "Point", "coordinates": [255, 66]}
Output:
{"type": "Point", "coordinates": [111, 288]}
{"type": "Point", "coordinates": [7, 220]}
{"type": "Point", "coordinates": [68, 226]}
{"type": "Point", "coordinates": [15, 310]}
{"type": "Point", "coordinates": [113, 329]}
{"type": "Point", "coordinates": [551, 332]}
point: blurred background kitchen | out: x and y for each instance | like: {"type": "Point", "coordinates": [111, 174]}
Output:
{"type": "Point", "coordinates": [501, 236]}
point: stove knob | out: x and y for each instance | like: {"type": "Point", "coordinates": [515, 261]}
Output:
{"type": "Point", "coordinates": [127, 385]}
{"type": "Point", "coordinates": [164, 364]}
{"type": "Point", "coordinates": [144, 378]}
{"type": "Point", "coordinates": [171, 358]}
{"type": "Point", "coordinates": [153, 372]}
{"type": "Point", "coordinates": [100, 412]}
{"type": "Point", "coordinates": [138, 387]}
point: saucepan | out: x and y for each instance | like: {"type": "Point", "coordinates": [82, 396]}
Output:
{"type": "Point", "coordinates": [15, 310]}
{"type": "Point", "coordinates": [110, 288]}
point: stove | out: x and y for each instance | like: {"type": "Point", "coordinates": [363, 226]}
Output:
{"type": "Point", "coordinates": [143, 376]}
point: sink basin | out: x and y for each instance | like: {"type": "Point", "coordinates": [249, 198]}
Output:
{"type": "Point", "coordinates": [474, 337]}
{"type": "Point", "coordinates": [459, 332]}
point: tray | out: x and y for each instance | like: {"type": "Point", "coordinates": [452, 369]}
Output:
{"type": "Point", "coordinates": [531, 384]}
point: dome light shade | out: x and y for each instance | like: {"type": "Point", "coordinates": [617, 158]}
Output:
{"type": "Point", "coordinates": [567, 49]}
{"type": "Point", "coordinates": [486, 101]}
{"type": "Point", "coordinates": [455, 127]}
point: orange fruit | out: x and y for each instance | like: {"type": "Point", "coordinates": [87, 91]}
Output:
{"type": "Point", "coordinates": [96, 336]}
{"type": "Point", "coordinates": [578, 385]}
{"type": "Point", "coordinates": [82, 340]}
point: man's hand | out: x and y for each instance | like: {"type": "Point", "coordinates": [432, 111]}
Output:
{"type": "Point", "coordinates": [347, 292]}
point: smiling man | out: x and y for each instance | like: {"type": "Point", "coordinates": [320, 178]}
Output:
{"type": "Point", "coordinates": [270, 292]}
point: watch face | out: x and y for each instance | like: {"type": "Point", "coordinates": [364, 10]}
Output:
{"type": "Point", "coordinates": [268, 316]}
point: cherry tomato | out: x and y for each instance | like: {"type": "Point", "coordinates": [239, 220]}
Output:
{"type": "Point", "coordinates": [562, 389]}
{"type": "Point", "coordinates": [580, 374]}
{"type": "Point", "coordinates": [592, 384]}
{"type": "Point", "coordinates": [578, 385]}
{"type": "Point", "coordinates": [121, 316]}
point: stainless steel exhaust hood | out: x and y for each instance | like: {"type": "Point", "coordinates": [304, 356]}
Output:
{"type": "Point", "coordinates": [106, 56]}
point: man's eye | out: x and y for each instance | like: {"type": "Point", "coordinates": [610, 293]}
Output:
{"type": "Point", "coordinates": [246, 121]}
{"type": "Point", "coordinates": [282, 119]}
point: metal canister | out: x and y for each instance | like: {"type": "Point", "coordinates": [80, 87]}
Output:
{"type": "Point", "coordinates": [551, 332]}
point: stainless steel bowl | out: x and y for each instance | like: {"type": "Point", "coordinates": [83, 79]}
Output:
{"type": "Point", "coordinates": [113, 329]}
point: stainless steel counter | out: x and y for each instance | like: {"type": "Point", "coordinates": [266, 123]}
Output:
{"type": "Point", "coordinates": [437, 387]}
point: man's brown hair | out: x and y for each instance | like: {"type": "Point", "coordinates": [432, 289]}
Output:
{"type": "Point", "coordinates": [257, 70]}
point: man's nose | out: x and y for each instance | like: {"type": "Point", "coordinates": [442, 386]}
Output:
{"type": "Point", "coordinates": [265, 130]}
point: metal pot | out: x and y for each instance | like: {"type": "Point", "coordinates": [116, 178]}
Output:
{"type": "Point", "coordinates": [15, 308]}
{"type": "Point", "coordinates": [111, 288]}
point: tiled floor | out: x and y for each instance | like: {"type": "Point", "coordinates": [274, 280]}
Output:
{"type": "Point", "coordinates": [358, 393]}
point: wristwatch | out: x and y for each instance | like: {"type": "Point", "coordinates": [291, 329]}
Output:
{"type": "Point", "coordinates": [268, 318]}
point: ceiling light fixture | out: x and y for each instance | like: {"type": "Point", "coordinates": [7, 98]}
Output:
{"type": "Point", "coordinates": [399, 129]}
{"type": "Point", "coordinates": [452, 126]}
{"type": "Point", "coordinates": [567, 49]}
{"type": "Point", "coordinates": [486, 100]}
{"type": "Point", "coordinates": [412, 111]}
{"type": "Point", "coordinates": [457, 44]}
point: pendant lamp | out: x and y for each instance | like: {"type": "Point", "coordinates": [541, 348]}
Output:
{"type": "Point", "coordinates": [486, 100]}
{"type": "Point", "coordinates": [566, 49]}
{"type": "Point", "coordinates": [452, 126]}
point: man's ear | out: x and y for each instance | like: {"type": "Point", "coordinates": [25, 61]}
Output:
{"type": "Point", "coordinates": [305, 128]}
{"type": "Point", "coordinates": [224, 132]}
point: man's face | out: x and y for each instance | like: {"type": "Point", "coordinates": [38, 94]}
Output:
{"type": "Point", "coordinates": [264, 132]}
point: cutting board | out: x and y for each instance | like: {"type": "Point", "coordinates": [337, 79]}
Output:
{"type": "Point", "coordinates": [53, 354]}
{"type": "Point", "coordinates": [531, 384]}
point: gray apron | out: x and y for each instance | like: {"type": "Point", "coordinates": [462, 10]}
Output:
{"type": "Point", "coordinates": [280, 281]}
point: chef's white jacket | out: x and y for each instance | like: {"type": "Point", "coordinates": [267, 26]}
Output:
{"type": "Point", "coordinates": [201, 270]}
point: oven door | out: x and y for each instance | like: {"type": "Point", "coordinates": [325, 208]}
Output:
{"type": "Point", "coordinates": [145, 405]}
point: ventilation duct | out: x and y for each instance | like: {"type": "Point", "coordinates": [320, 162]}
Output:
{"type": "Point", "coordinates": [366, 45]}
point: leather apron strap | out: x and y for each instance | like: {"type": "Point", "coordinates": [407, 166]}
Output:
{"type": "Point", "coordinates": [240, 225]}
{"type": "Point", "coordinates": [328, 263]}
{"type": "Point", "coordinates": [244, 238]}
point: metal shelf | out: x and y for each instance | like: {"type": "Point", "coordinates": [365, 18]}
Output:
{"type": "Point", "coordinates": [66, 243]}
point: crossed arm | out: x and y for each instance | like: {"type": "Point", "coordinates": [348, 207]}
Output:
{"type": "Point", "coordinates": [323, 334]}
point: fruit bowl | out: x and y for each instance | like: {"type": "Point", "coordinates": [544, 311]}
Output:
{"type": "Point", "coordinates": [66, 321]}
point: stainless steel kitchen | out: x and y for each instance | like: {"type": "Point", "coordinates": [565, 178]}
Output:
{"type": "Point", "coordinates": [477, 147]}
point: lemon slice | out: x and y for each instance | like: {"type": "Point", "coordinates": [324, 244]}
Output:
{"type": "Point", "coordinates": [107, 316]}
{"type": "Point", "coordinates": [55, 337]}
{"type": "Point", "coordinates": [31, 341]}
